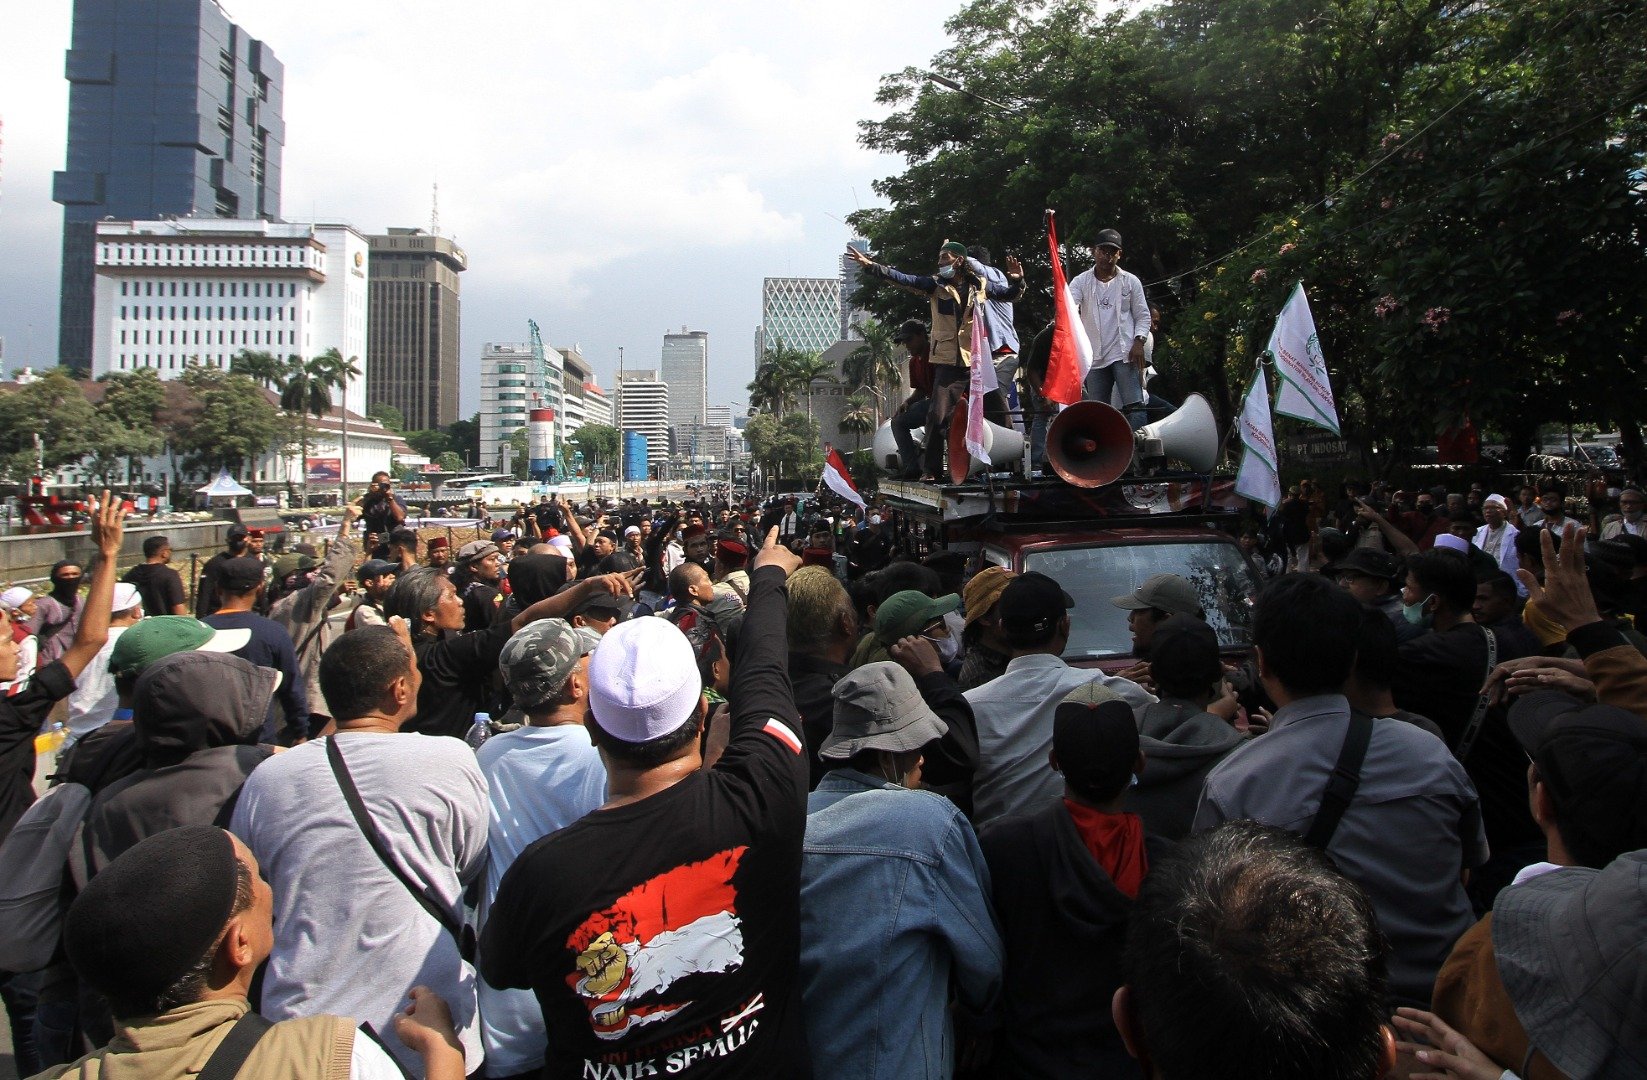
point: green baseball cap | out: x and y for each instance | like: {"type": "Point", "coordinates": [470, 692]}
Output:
{"type": "Point", "coordinates": [291, 562]}
{"type": "Point", "coordinates": [158, 636]}
{"type": "Point", "coordinates": [910, 612]}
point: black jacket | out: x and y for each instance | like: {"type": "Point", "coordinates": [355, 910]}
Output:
{"type": "Point", "coordinates": [1064, 924]}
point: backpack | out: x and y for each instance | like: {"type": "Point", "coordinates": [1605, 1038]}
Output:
{"type": "Point", "coordinates": [33, 877]}
{"type": "Point", "coordinates": [35, 881]}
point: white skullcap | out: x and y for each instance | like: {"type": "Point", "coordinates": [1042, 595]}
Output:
{"type": "Point", "coordinates": [1453, 543]}
{"type": "Point", "coordinates": [15, 597]}
{"type": "Point", "coordinates": [643, 680]}
{"type": "Point", "coordinates": [126, 597]}
{"type": "Point", "coordinates": [1503, 503]}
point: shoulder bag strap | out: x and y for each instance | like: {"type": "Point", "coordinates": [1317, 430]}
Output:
{"type": "Point", "coordinates": [1466, 741]}
{"type": "Point", "coordinates": [231, 1054]}
{"type": "Point", "coordinates": [1342, 782]}
{"type": "Point", "coordinates": [368, 828]}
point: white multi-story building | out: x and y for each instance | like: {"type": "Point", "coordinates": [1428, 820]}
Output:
{"type": "Point", "coordinates": [643, 406]}
{"type": "Point", "coordinates": [685, 367]}
{"type": "Point", "coordinates": [597, 406]}
{"type": "Point", "coordinates": [199, 290]}
{"type": "Point", "coordinates": [799, 313]}
{"type": "Point", "coordinates": [511, 383]}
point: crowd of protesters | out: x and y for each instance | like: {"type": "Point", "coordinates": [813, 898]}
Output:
{"type": "Point", "coordinates": [715, 789]}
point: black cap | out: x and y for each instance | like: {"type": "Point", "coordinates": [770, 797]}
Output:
{"type": "Point", "coordinates": [1368, 562]}
{"type": "Point", "coordinates": [236, 531]}
{"type": "Point", "coordinates": [1594, 760]}
{"type": "Point", "coordinates": [238, 575]}
{"type": "Point", "coordinates": [605, 601]}
{"type": "Point", "coordinates": [1183, 655]}
{"type": "Point", "coordinates": [1032, 604]}
{"type": "Point", "coordinates": [376, 568]}
{"type": "Point", "coordinates": [115, 935]}
{"type": "Point", "coordinates": [912, 328]}
{"type": "Point", "coordinates": [1095, 736]}
{"type": "Point", "coordinates": [1108, 238]}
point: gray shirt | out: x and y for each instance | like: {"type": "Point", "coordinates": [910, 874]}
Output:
{"type": "Point", "coordinates": [350, 940]}
{"type": "Point", "coordinates": [1413, 827]}
{"type": "Point", "coordinates": [1014, 715]}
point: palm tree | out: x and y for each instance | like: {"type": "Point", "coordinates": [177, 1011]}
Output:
{"type": "Point", "coordinates": [342, 372]}
{"type": "Point", "coordinates": [306, 390]}
{"type": "Point", "coordinates": [263, 368]}
{"type": "Point", "coordinates": [858, 420]}
{"type": "Point", "coordinates": [806, 368]}
{"type": "Point", "coordinates": [773, 383]}
{"type": "Point", "coordinates": [875, 364]}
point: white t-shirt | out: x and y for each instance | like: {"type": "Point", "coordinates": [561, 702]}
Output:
{"type": "Point", "coordinates": [94, 700]}
{"type": "Point", "coordinates": [350, 940]}
{"type": "Point", "coordinates": [538, 780]}
{"type": "Point", "coordinates": [1114, 313]}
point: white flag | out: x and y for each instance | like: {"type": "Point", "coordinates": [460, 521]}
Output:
{"type": "Point", "coordinates": [982, 382]}
{"type": "Point", "coordinates": [1258, 478]}
{"type": "Point", "coordinates": [1306, 394]}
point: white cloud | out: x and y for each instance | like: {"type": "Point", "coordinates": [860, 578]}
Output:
{"type": "Point", "coordinates": [612, 170]}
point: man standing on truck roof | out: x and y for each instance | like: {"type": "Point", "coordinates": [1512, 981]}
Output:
{"type": "Point", "coordinates": [1014, 713]}
{"type": "Point", "coordinates": [912, 412]}
{"type": "Point", "coordinates": [955, 292]}
{"type": "Point", "coordinates": [1114, 311]}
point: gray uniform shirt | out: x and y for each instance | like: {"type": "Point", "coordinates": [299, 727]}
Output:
{"type": "Point", "coordinates": [1014, 715]}
{"type": "Point", "coordinates": [350, 940]}
{"type": "Point", "coordinates": [1414, 825]}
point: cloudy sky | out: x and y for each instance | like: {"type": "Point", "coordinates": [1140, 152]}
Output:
{"type": "Point", "coordinates": [614, 170]}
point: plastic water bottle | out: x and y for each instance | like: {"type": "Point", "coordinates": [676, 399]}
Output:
{"type": "Point", "coordinates": [51, 740]}
{"type": "Point", "coordinates": [479, 731]}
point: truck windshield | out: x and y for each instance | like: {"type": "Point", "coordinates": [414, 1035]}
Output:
{"type": "Point", "coordinates": [1095, 575]}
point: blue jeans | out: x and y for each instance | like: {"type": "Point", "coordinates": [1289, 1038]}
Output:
{"type": "Point", "coordinates": [1122, 376]}
{"type": "Point", "coordinates": [909, 460]}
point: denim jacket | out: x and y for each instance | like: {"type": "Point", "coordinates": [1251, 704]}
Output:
{"type": "Point", "coordinates": [894, 908]}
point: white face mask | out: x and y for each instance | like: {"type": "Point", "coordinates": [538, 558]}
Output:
{"type": "Point", "coordinates": [948, 648]}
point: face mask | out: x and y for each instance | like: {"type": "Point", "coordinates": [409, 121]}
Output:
{"type": "Point", "coordinates": [946, 273]}
{"type": "Point", "coordinates": [1414, 613]}
{"type": "Point", "coordinates": [948, 648]}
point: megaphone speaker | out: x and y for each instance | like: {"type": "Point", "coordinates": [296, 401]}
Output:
{"type": "Point", "coordinates": [887, 458]}
{"type": "Point", "coordinates": [1090, 444]}
{"type": "Point", "coordinates": [1190, 434]}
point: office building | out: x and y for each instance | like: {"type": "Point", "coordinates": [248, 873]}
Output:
{"type": "Point", "coordinates": [512, 383]}
{"type": "Point", "coordinates": [413, 313]}
{"type": "Point", "coordinates": [802, 313]}
{"type": "Point", "coordinates": [719, 416]}
{"type": "Point", "coordinates": [576, 374]}
{"type": "Point", "coordinates": [685, 368]}
{"type": "Point", "coordinates": [171, 293]}
{"type": "Point", "coordinates": [173, 111]}
{"type": "Point", "coordinates": [643, 406]}
{"type": "Point", "coordinates": [852, 316]}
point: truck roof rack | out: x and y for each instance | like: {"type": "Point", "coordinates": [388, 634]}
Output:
{"type": "Point", "coordinates": [1051, 502]}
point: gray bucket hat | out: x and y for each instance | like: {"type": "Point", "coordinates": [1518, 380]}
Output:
{"type": "Point", "coordinates": [539, 658]}
{"type": "Point", "coordinates": [878, 707]}
{"type": "Point", "coordinates": [1571, 947]}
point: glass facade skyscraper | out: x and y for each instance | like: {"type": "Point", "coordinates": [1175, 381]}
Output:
{"type": "Point", "coordinates": [803, 313]}
{"type": "Point", "coordinates": [173, 111]}
{"type": "Point", "coordinates": [685, 367]}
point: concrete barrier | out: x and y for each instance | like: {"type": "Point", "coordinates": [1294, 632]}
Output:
{"type": "Point", "coordinates": [27, 558]}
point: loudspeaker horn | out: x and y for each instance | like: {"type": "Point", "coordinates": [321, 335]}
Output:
{"type": "Point", "coordinates": [1189, 434]}
{"type": "Point", "coordinates": [885, 447]}
{"type": "Point", "coordinates": [1002, 445]}
{"type": "Point", "coordinates": [1090, 444]}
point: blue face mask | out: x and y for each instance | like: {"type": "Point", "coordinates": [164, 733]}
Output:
{"type": "Point", "coordinates": [946, 272]}
{"type": "Point", "coordinates": [1414, 613]}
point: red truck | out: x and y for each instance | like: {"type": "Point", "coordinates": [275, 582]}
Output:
{"type": "Point", "coordinates": [1097, 543]}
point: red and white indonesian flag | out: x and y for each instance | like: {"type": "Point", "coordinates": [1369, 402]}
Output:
{"type": "Point", "coordinates": [1071, 354]}
{"type": "Point", "coordinates": [1258, 478]}
{"type": "Point", "coordinates": [983, 381]}
{"type": "Point", "coordinates": [1305, 392]}
{"type": "Point", "coordinates": [838, 478]}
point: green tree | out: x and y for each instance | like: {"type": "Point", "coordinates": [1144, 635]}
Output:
{"type": "Point", "coordinates": [306, 391]}
{"type": "Point", "coordinates": [53, 407]}
{"type": "Point", "coordinates": [465, 437]}
{"type": "Point", "coordinates": [128, 423]}
{"type": "Point", "coordinates": [431, 443]}
{"type": "Point", "coordinates": [386, 414]}
{"type": "Point", "coordinates": [520, 460]}
{"type": "Point", "coordinates": [875, 365]}
{"type": "Point", "coordinates": [805, 369]}
{"type": "Point", "coordinates": [598, 443]}
{"type": "Point", "coordinates": [227, 422]}
{"type": "Point", "coordinates": [784, 445]}
{"type": "Point", "coordinates": [857, 420]}
{"type": "Point", "coordinates": [450, 462]}
{"type": "Point", "coordinates": [264, 368]}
